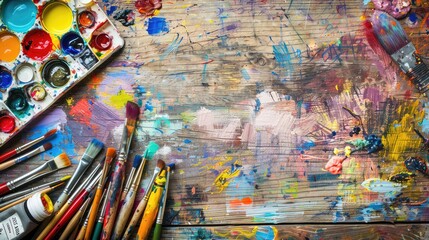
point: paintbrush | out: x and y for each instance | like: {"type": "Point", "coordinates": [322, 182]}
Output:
{"type": "Point", "coordinates": [59, 162]}
{"type": "Point", "coordinates": [25, 156]}
{"type": "Point", "coordinates": [126, 207]}
{"type": "Point", "coordinates": [87, 158]}
{"type": "Point", "coordinates": [110, 154]}
{"type": "Point", "coordinates": [142, 204]}
{"type": "Point", "coordinates": [136, 164]}
{"type": "Point", "coordinates": [57, 215]}
{"type": "Point", "coordinates": [151, 210]}
{"type": "Point", "coordinates": [99, 224]}
{"type": "Point", "coordinates": [158, 226]}
{"type": "Point", "coordinates": [83, 231]}
{"type": "Point", "coordinates": [24, 147]}
{"type": "Point", "coordinates": [26, 197]}
{"type": "Point", "coordinates": [15, 195]}
{"type": "Point", "coordinates": [74, 207]}
{"type": "Point", "coordinates": [132, 112]}
{"type": "Point", "coordinates": [395, 42]}
{"type": "Point", "coordinates": [74, 221]}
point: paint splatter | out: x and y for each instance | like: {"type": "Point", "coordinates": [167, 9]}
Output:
{"type": "Point", "coordinates": [224, 178]}
{"type": "Point", "coordinates": [157, 26]}
{"type": "Point", "coordinates": [148, 7]}
{"type": "Point", "coordinates": [119, 100]}
{"type": "Point", "coordinates": [126, 17]}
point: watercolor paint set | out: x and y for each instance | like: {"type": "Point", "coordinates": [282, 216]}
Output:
{"type": "Point", "coordinates": [46, 47]}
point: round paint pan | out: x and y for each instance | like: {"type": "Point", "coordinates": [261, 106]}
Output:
{"type": "Point", "coordinates": [5, 78]}
{"type": "Point", "coordinates": [72, 44]}
{"type": "Point", "coordinates": [7, 123]}
{"type": "Point", "coordinates": [25, 73]}
{"type": "Point", "coordinates": [36, 92]}
{"type": "Point", "coordinates": [18, 15]}
{"type": "Point", "coordinates": [17, 102]}
{"type": "Point", "coordinates": [56, 73]}
{"type": "Point", "coordinates": [101, 41]}
{"type": "Point", "coordinates": [57, 17]}
{"type": "Point", "coordinates": [10, 46]}
{"type": "Point", "coordinates": [86, 19]}
{"type": "Point", "coordinates": [37, 44]}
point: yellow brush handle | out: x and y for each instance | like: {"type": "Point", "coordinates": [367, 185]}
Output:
{"type": "Point", "coordinates": [93, 214]}
{"type": "Point", "coordinates": [150, 213]}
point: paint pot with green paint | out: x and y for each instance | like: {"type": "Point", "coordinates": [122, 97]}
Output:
{"type": "Point", "coordinates": [17, 102]}
{"type": "Point", "coordinates": [56, 73]}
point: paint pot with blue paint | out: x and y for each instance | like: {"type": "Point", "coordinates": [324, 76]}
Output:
{"type": "Point", "coordinates": [56, 73]}
{"type": "Point", "coordinates": [72, 44]}
{"type": "Point", "coordinates": [17, 102]}
{"type": "Point", "coordinates": [5, 78]}
{"type": "Point", "coordinates": [18, 15]}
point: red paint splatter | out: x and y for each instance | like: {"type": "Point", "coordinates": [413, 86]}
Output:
{"type": "Point", "coordinates": [148, 7]}
{"type": "Point", "coordinates": [82, 111]}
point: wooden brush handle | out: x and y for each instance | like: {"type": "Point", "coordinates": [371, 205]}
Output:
{"type": "Point", "coordinates": [4, 189]}
{"type": "Point", "coordinates": [93, 214]}
{"type": "Point", "coordinates": [157, 232]}
{"type": "Point", "coordinates": [6, 165]}
{"type": "Point", "coordinates": [124, 214]}
{"type": "Point", "coordinates": [136, 218]}
{"type": "Point", "coordinates": [53, 221]}
{"type": "Point", "coordinates": [71, 226]}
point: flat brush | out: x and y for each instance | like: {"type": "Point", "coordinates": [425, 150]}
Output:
{"type": "Point", "coordinates": [132, 113]}
{"type": "Point", "coordinates": [25, 156]}
{"type": "Point", "coordinates": [128, 203]}
{"type": "Point", "coordinates": [15, 195]}
{"type": "Point", "coordinates": [59, 162]}
{"type": "Point", "coordinates": [87, 158]}
{"type": "Point", "coordinates": [26, 146]}
{"type": "Point", "coordinates": [158, 225]}
{"type": "Point", "coordinates": [142, 204]}
{"type": "Point", "coordinates": [395, 42]}
{"type": "Point", "coordinates": [110, 154]}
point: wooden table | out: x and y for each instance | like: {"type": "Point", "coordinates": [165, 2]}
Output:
{"type": "Point", "coordinates": [246, 98]}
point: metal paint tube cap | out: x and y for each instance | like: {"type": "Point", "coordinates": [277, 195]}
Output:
{"type": "Point", "coordinates": [40, 206]}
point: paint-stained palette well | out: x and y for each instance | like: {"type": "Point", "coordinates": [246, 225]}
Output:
{"type": "Point", "coordinates": [46, 47]}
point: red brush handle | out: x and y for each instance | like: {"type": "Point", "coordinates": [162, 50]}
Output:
{"type": "Point", "coordinates": [4, 189]}
{"type": "Point", "coordinates": [64, 220]}
{"type": "Point", "coordinates": [7, 155]}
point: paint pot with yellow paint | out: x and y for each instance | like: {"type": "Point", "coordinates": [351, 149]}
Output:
{"type": "Point", "coordinates": [57, 18]}
{"type": "Point", "coordinates": [21, 219]}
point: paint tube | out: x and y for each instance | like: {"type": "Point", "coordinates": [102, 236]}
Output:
{"type": "Point", "coordinates": [21, 219]}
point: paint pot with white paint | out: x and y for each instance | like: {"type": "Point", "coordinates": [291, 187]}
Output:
{"type": "Point", "coordinates": [25, 73]}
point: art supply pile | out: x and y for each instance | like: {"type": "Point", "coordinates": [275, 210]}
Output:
{"type": "Point", "coordinates": [98, 205]}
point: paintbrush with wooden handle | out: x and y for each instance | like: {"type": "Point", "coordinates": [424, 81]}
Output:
{"type": "Point", "coordinates": [158, 226]}
{"type": "Point", "coordinates": [25, 156]}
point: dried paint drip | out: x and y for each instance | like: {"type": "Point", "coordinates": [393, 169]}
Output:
{"type": "Point", "coordinates": [148, 7]}
{"type": "Point", "coordinates": [18, 15]}
{"type": "Point", "coordinates": [56, 72]}
{"type": "Point", "coordinates": [9, 46]}
{"type": "Point", "coordinates": [101, 41]}
{"type": "Point", "coordinates": [5, 78]}
{"type": "Point", "coordinates": [416, 164]}
{"type": "Point", "coordinates": [7, 123]}
{"type": "Point", "coordinates": [57, 18]}
{"type": "Point", "coordinates": [72, 43]}
{"type": "Point", "coordinates": [17, 102]}
{"type": "Point", "coordinates": [37, 44]}
{"type": "Point", "coordinates": [37, 92]}
{"type": "Point", "coordinates": [86, 19]}
{"type": "Point", "coordinates": [25, 73]}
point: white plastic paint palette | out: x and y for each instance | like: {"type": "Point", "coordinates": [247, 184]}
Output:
{"type": "Point", "coordinates": [46, 47]}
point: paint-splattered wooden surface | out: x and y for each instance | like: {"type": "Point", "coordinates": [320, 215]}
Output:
{"type": "Point", "coordinates": [247, 98]}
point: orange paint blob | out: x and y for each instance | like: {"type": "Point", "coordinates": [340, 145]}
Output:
{"type": "Point", "coordinates": [9, 47]}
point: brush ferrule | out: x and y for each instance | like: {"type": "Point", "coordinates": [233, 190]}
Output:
{"type": "Point", "coordinates": [405, 57]}
{"type": "Point", "coordinates": [35, 173]}
{"type": "Point", "coordinates": [420, 77]}
{"type": "Point", "coordinates": [29, 144]}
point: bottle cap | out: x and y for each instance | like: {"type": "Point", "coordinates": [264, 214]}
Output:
{"type": "Point", "coordinates": [40, 206]}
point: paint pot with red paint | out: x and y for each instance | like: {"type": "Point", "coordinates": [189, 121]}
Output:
{"type": "Point", "coordinates": [56, 73]}
{"type": "Point", "coordinates": [72, 43]}
{"type": "Point", "coordinates": [7, 123]}
{"type": "Point", "coordinates": [5, 78]}
{"type": "Point", "coordinates": [86, 19]}
{"type": "Point", "coordinates": [37, 44]}
{"type": "Point", "coordinates": [101, 41]}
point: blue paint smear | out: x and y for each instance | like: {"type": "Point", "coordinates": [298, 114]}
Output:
{"type": "Point", "coordinates": [306, 146]}
{"type": "Point", "coordinates": [187, 141]}
{"type": "Point", "coordinates": [283, 56]}
{"type": "Point", "coordinates": [365, 2]}
{"type": "Point", "coordinates": [157, 26]}
{"type": "Point", "coordinates": [265, 232]}
{"type": "Point", "coordinates": [245, 74]}
{"type": "Point", "coordinates": [110, 10]}
{"type": "Point", "coordinates": [257, 105]}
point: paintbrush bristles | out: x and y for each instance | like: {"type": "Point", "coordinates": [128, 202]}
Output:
{"type": "Point", "coordinates": [137, 161]}
{"type": "Point", "coordinates": [93, 148]}
{"type": "Point", "coordinates": [389, 32]}
{"type": "Point", "coordinates": [62, 161]}
{"type": "Point", "coordinates": [150, 151]}
{"type": "Point", "coordinates": [50, 133]}
{"type": "Point", "coordinates": [160, 164]}
{"type": "Point", "coordinates": [47, 146]}
{"type": "Point", "coordinates": [110, 154]}
{"type": "Point", "coordinates": [132, 111]}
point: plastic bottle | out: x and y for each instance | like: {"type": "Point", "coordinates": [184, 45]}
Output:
{"type": "Point", "coordinates": [21, 219]}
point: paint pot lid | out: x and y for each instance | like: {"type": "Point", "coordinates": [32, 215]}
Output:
{"type": "Point", "coordinates": [56, 72]}
{"type": "Point", "coordinates": [25, 72]}
{"type": "Point", "coordinates": [5, 78]}
{"type": "Point", "coordinates": [7, 123]}
{"type": "Point", "coordinates": [40, 206]}
{"type": "Point", "coordinates": [18, 15]}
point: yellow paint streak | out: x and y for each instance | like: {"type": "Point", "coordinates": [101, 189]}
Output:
{"type": "Point", "coordinates": [119, 100]}
{"type": "Point", "coordinates": [400, 137]}
{"type": "Point", "coordinates": [70, 101]}
{"type": "Point", "coordinates": [237, 232]}
{"type": "Point", "coordinates": [224, 179]}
